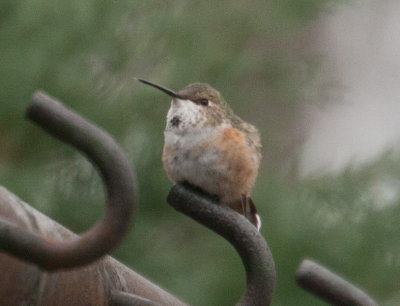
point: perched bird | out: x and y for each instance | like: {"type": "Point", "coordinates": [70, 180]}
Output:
{"type": "Point", "coordinates": [208, 146]}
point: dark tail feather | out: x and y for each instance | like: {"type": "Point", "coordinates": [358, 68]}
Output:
{"type": "Point", "coordinates": [249, 210]}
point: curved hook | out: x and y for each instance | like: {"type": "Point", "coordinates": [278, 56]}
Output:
{"type": "Point", "coordinates": [329, 286]}
{"type": "Point", "coordinates": [248, 242]}
{"type": "Point", "coordinates": [118, 178]}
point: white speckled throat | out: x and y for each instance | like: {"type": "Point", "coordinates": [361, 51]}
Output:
{"type": "Point", "coordinates": [185, 115]}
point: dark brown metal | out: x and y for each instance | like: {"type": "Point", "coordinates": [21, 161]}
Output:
{"type": "Point", "coordinates": [248, 242]}
{"type": "Point", "coordinates": [330, 287]}
{"type": "Point", "coordinates": [22, 283]}
{"type": "Point", "coordinates": [118, 178]}
{"type": "Point", "coordinates": [119, 298]}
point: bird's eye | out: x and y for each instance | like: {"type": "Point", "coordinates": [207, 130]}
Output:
{"type": "Point", "coordinates": [204, 102]}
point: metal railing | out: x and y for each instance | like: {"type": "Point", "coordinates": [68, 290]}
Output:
{"type": "Point", "coordinates": [109, 282]}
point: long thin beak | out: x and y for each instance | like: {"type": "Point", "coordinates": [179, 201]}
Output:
{"type": "Point", "coordinates": [162, 88]}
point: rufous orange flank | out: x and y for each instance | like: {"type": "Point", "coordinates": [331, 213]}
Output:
{"type": "Point", "coordinates": [208, 146]}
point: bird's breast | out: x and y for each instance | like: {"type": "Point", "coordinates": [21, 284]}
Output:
{"type": "Point", "coordinates": [217, 160]}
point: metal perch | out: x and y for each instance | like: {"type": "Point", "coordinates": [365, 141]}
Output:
{"type": "Point", "coordinates": [248, 242]}
{"type": "Point", "coordinates": [106, 281]}
{"type": "Point", "coordinates": [119, 298]}
{"type": "Point", "coordinates": [22, 283]}
{"type": "Point", "coordinates": [330, 287]}
{"type": "Point", "coordinates": [118, 178]}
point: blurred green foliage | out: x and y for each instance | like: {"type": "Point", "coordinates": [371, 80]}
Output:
{"type": "Point", "coordinates": [87, 53]}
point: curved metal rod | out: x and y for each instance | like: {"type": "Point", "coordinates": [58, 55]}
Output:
{"type": "Point", "coordinates": [248, 242]}
{"type": "Point", "coordinates": [120, 298]}
{"type": "Point", "coordinates": [329, 286]}
{"type": "Point", "coordinates": [119, 181]}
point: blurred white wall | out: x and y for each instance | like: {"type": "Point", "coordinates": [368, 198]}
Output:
{"type": "Point", "coordinates": [360, 86]}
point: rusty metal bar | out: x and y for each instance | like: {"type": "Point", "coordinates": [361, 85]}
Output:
{"type": "Point", "coordinates": [22, 283]}
{"type": "Point", "coordinates": [329, 286]}
{"type": "Point", "coordinates": [248, 242]}
{"type": "Point", "coordinates": [119, 298]}
{"type": "Point", "coordinates": [118, 178]}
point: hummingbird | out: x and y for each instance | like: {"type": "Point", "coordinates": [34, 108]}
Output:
{"type": "Point", "coordinates": [211, 148]}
